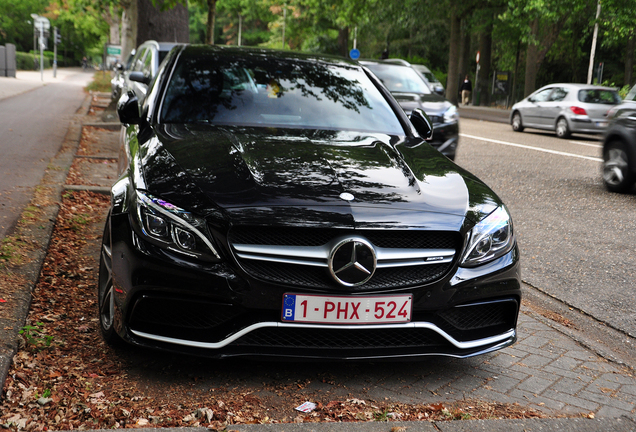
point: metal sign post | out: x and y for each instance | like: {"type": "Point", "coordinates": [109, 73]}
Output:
{"type": "Point", "coordinates": [42, 25]}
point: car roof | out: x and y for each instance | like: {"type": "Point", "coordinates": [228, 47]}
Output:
{"type": "Point", "coordinates": [192, 50]}
{"type": "Point", "coordinates": [161, 46]}
{"type": "Point", "coordinates": [579, 86]}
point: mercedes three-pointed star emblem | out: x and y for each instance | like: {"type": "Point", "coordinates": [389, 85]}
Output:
{"type": "Point", "coordinates": [352, 261]}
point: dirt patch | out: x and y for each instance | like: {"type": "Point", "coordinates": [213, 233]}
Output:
{"type": "Point", "coordinates": [92, 172]}
{"type": "Point", "coordinates": [98, 141]}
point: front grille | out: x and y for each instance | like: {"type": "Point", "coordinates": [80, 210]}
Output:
{"type": "Point", "coordinates": [341, 338]}
{"type": "Point", "coordinates": [319, 277]}
{"type": "Point", "coordinates": [300, 267]}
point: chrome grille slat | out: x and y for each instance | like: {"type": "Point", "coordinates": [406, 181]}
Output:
{"type": "Point", "coordinates": [318, 255]}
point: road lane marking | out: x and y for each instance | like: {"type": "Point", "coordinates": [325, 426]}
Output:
{"type": "Point", "coordinates": [532, 148]}
{"type": "Point", "coordinates": [586, 144]}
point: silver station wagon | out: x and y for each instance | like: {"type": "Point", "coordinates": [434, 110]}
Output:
{"type": "Point", "coordinates": [565, 109]}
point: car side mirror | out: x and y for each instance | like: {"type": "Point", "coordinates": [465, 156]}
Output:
{"type": "Point", "coordinates": [128, 108]}
{"type": "Point", "coordinates": [139, 77]}
{"type": "Point", "coordinates": [530, 99]}
{"type": "Point", "coordinates": [422, 123]}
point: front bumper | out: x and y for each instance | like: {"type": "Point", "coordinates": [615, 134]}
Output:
{"type": "Point", "coordinates": [217, 311]}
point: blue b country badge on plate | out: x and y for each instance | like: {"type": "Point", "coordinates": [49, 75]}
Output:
{"type": "Point", "coordinates": [289, 307]}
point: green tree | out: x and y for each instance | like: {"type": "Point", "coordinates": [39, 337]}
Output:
{"type": "Point", "coordinates": [16, 24]}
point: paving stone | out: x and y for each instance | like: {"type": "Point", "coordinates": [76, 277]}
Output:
{"type": "Point", "coordinates": [601, 386]}
{"type": "Point", "coordinates": [503, 360]}
{"type": "Point", "coordinates": [569, 374]}
{"type": "Point", "coordinates": [569, 386]}
{"type": "Point", "coordinates": [515, 352]}
{"type": "Point", "coordinates": [539, 400]}
{"type": "Point", "coordinates": [502, 384]}
{"type": "Point", "coordinates": [567, 363]}
{"type": "Point", "coordinates": [629, 389]}
{"type": "Point", "coordinates": [581, 355]}
{"type": "Point", "coordinates": [533, 372]}
{"type": "Point", "coordinates": [535, 360]}
{"type": "Point", "coordinates": [536, 385]}
{"type": "Point", "coordinates": [619, 378]}
{"type": "Point", "coordinates": [576, 401]}
{"type": "Point", "coordinates": [611, 412]}
{"type": "Point", "coordinates": [536, 342]}
{"type": "Point", "coordinates": [598, 366]}
{"type": "Point", "coordinates": [607, 400]}
{"type": "Point", "coordinates": [490, 396]}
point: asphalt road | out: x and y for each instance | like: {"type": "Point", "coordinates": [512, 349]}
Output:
{"type": "Point", "coordinates": [577, 240]}
{"type": "Point", "coordinates": [32, 127]}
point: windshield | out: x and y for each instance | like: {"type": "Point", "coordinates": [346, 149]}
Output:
{"type": "Point", "coordinates": [608, 97]}
{"type": "Point", "coordinates": [399, 79]}
{"type": "Point", "coordinates": [253, 89]}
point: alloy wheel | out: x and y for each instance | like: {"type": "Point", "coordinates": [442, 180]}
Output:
{"type": "Point", "coordinates": [615, 167]}
{"type": "Point", "coordinates": [562, 129]}
{"type": "Point", "coordinates": [106, 299]}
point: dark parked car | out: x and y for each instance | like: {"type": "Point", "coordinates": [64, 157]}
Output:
{"type": "Point", "coordinates": [619, 147]}
{"type": "Point", "coordinates": [283, 205]}
{"type": "Point", "coordinates": [411, 90]}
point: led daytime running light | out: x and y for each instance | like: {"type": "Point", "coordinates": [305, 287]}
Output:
{"type": "Point", "coordinates": [149, 201]}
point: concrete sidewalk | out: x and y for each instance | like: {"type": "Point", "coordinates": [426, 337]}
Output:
{"type": "Point", "coordinates": [29, 80]}
{"type": "Point", "coordinates": [546, 370]}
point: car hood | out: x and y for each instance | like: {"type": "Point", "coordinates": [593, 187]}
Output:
{"type": "Point", "coordinates": [297, 175]}
{"type": "Point", "coordinates": [432, 104]}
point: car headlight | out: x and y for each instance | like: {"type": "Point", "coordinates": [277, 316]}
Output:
{"type": "Point", "coordinates": [489, 239]}
{"type": "Point", "coordinates": [174, 228]}
{"type": "Point", "coordinates": [451, 115]}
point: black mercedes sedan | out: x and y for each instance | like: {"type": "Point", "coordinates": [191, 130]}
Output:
{"type": "Point", "coordinates": [277, 204]}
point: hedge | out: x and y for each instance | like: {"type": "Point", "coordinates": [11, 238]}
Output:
{"type": "Point", "coordinates": [25, 61]}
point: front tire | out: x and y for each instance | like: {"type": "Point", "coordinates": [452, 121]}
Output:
{"type": "Point", "coordinates": [105, 291]}
{"type": "Point", "coordinates": [517, 124]}
{"type": "Point", "coordinates": [617, 175]}
{"type": "Point", "coordinates": [562, 128]}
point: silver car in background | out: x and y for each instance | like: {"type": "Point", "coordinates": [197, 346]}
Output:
{"type": "Point", "coordinates": [565, 109]}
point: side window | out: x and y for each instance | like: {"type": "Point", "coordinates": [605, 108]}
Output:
{"type": "Point", "coordinates": [147, 66]}
{"type": "Point", "coordinates": [137, 62]}
{"type": "Point", "coordinates": [558, 94]}
{"type": "Point", "coordinates": [543, 95]}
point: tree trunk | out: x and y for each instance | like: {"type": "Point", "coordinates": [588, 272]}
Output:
{"type": "Point", "coordinates": [485, 53]}
{"type": "Point", "coordinates": [343, 41]}
{"type": "Point", "coordinates": [113, 20]}
{"type": "Point", "coordinates": [542, 40]}
{"type": "Point", "coordinates": [128, 28]}
{"type": "Point", "coordinates": [532, 55]}
{"type": "Point", "coordinates": [162, 26]}
{"type": "Point", "coordinates": [629, 59]}
{"type": "Point", "coordinates": [452, 80]}
{"type": "Point", "coordinates": [211, 22]}
{"type": "Point", "coordinates": [464, 51]}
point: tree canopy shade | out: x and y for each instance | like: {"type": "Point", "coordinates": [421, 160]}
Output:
{"type": "Point", "coordinates": [537, 41]}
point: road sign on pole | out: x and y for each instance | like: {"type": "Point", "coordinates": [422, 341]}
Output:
{"type": "Point", "coordinates": [354, 54]}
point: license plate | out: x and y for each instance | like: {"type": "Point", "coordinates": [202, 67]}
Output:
{"type": "Point", "coordinates": [601, 124]}
{"type": "Point", "coordinates": [347, 309]}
